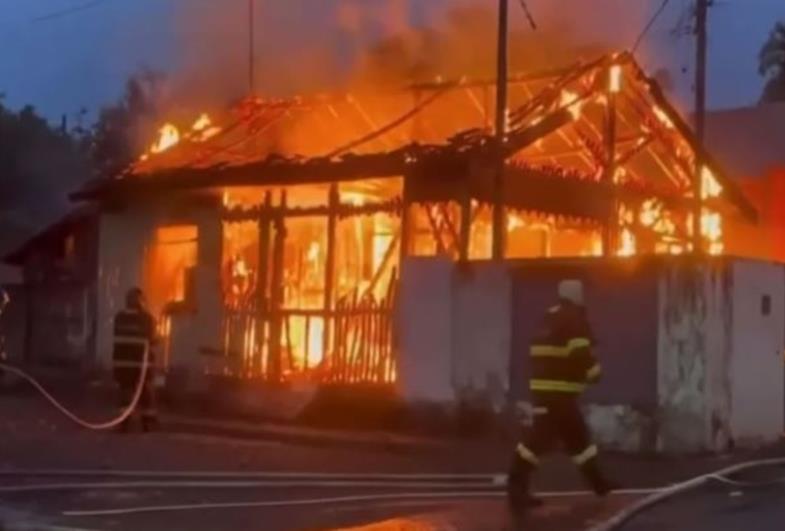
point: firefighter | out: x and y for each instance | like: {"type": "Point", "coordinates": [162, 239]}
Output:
{"type": "Point", "coordinates": [134, 337]}
{"type": "Point", "coordinates": [562, 364]}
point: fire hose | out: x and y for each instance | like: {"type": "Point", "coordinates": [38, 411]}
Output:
{"type": "Point", "coordinates": [124, 415]}
{"type": "Point", "coordinates": [627, 514]}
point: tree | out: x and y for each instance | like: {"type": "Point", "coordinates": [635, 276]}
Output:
{"type": "Point", "coordinates": [121, 129]}
{"type": "Point", "coordinates": [771, 64]}
{"type": "Point", "coordinates": [39, 165]}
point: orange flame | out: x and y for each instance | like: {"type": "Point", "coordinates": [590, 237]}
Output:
{"type": "Point", "coordinates": [571, 101]}
{"type": "Point", "coordinates": [168, 136]}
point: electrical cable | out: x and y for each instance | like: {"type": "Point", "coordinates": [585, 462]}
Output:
{"type": "Point", "coordinates": [69, 11]}
{"type": "Point", "coordinates": [649, 25]}
{"type": "Point", "coordinates": [528, 13]}
{"type": "Point", "coordinates": [124, 415]}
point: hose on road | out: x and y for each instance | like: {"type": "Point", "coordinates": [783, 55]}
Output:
{"type": "Point", "coordinates": [112, 423]}
{"type": "Point", "coordinates": [625, 515]}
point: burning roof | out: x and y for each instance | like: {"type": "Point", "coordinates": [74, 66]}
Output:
{"type": "Point", "coordinates": [556, 129]}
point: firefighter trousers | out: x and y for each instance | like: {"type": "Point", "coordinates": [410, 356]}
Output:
{"type": "Point", "coordinates": [556, 421]}
{"type": "Point", "coordinates": [146, 408]}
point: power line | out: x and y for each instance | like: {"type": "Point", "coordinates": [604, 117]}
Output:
{"type": "Point", "coordinates": [649, 25]}
{"type": "Point", "coordinates": [69, 11]}
{"type": "Point", "coordinates": [528, 14]}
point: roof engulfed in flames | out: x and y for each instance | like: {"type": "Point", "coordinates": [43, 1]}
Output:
{"type": "Point", "coordinates": [556, 124]}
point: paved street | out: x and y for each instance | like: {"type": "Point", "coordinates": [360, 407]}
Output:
{"type": "Point", "coordinates": [34, 437]}
{"type": "Point", "coordinates": [717, 508]}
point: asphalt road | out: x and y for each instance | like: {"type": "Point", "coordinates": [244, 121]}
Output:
{"type": "Point", "coordinates": [32, 436]}
{"type": "Point", "coordinates": [719, 507]}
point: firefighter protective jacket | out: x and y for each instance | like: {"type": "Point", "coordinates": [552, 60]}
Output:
{"type": "Point", "coordinates": [134, 332]}
{"type": "Point", "coordinates": [562, 362]}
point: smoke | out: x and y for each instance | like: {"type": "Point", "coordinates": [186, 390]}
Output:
{"type": "Point", "coordinates": [306, 46]}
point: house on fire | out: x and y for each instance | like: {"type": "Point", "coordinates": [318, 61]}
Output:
{"type": "Point", "coordinates": [347, 240]}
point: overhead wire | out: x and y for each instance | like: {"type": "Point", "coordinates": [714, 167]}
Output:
{"type": "Point", "coordinates": [650, 24]}
{"type": "Point", "coordinates": [69, 11]}
{"type": "Point", "coordinates": [528, 13]}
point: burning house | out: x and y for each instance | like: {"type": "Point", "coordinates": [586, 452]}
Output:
{"type": "Point", "coordinates": [302, 239]}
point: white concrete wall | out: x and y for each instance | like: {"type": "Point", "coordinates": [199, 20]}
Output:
{"type": "Point", "coordinates": [694, 338]}
{"type": "Point", "coordinates": [757, 369]}
{"type": "Point", "coordinates": [481, 332]}
{"type": "Point", "coordinates": [425, 331]}
{"type": "Point", "coordinates": [122, 240]}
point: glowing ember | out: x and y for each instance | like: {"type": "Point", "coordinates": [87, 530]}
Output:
{"type": "Point", "coordinates": [572, 102]}
{"type": "Point", "coordinates": [168, 136]}
{"type": "Point", "coordinates": [614, 80]}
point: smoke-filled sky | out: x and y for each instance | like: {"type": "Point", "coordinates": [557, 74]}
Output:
{"type": "Point", "coordinates": [81, 60]}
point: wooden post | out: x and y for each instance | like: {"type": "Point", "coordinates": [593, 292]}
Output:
{"type": "Point", "coordinates": [499, 225]}
{"type": "Point", "coordinates": [466, 223]}
{"type": "Point", "coordinates": [701, 29]}
{"type": "Point", "coordinates": [612, 223]}
{"type": "Point", "coordinates": [334, 203]}
{"type": "Point", "coordinates": [276, 290]}
{"type": "Point", "coordinates": [262, 280]}
{"type": "Point", "coordinates": [405, 224]}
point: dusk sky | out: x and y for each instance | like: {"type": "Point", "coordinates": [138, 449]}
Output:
{"type": "Point", "coordinates": [61, 64]}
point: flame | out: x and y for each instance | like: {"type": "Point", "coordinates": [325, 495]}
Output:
{"type": "Point", "coordinates": [205, 128]}
{"type": "Point", "coordinates": [354, 198]}
{"type": "Point", "coordinates": [514, 222]}
{"type": "Point", "coordinates": [663, 117]}
{"type": "Point", "coordinates": [202, 123]}
{"type": "Point", "coordinates": [627, 246]}
{"type": "Point", "coordinates": [168, 136]}
{"type": "Point", "coordinates": [571, 101]}
{"type": "Point", "coordinates": [614, 79]}
{"type": "Point", "coordinates": [313, 252]}
{"type": "Point", "coordinates": [710, 187]}
{"type": "Point", "coordinates": [654, 216]}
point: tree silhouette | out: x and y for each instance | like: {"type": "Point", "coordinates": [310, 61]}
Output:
{"type": "Point", "coordinates": [771, 64]}
{"type": "Point", "coordinates": [121, 127]}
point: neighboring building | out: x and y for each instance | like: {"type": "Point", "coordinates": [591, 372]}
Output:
{"type": "Point", "coordinates": [750, 143]}
{"type": "Point", "coordinates": [58, 295]}
{"type": "Point", "coordinates": [346, 240]}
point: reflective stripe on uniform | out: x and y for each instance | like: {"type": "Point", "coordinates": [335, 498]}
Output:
{"type": "Point", "coordinates": [539, 411]}
{"type": "Point", "coordinates": [585, 456]}
{"type": "Point", "coordinates": [526, 454]}
{"type": "Point", "coordinates": [558, 386]}
{"type": "Point", "coordinates": [130, 340]}
{"type": "Point", "coordinates": [578, 342]}
{"type": "Point", "coordinates": [548, 351]}
{"type": "Point", "coordinates": [594, 372]}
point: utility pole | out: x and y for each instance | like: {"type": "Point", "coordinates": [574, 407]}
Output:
{"type": "Point", "coordinates": [499, 225]}
{"type": "Point", "coordinates": [251, 46]}
{"type": "Point", "coordinates": [701, 30]}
